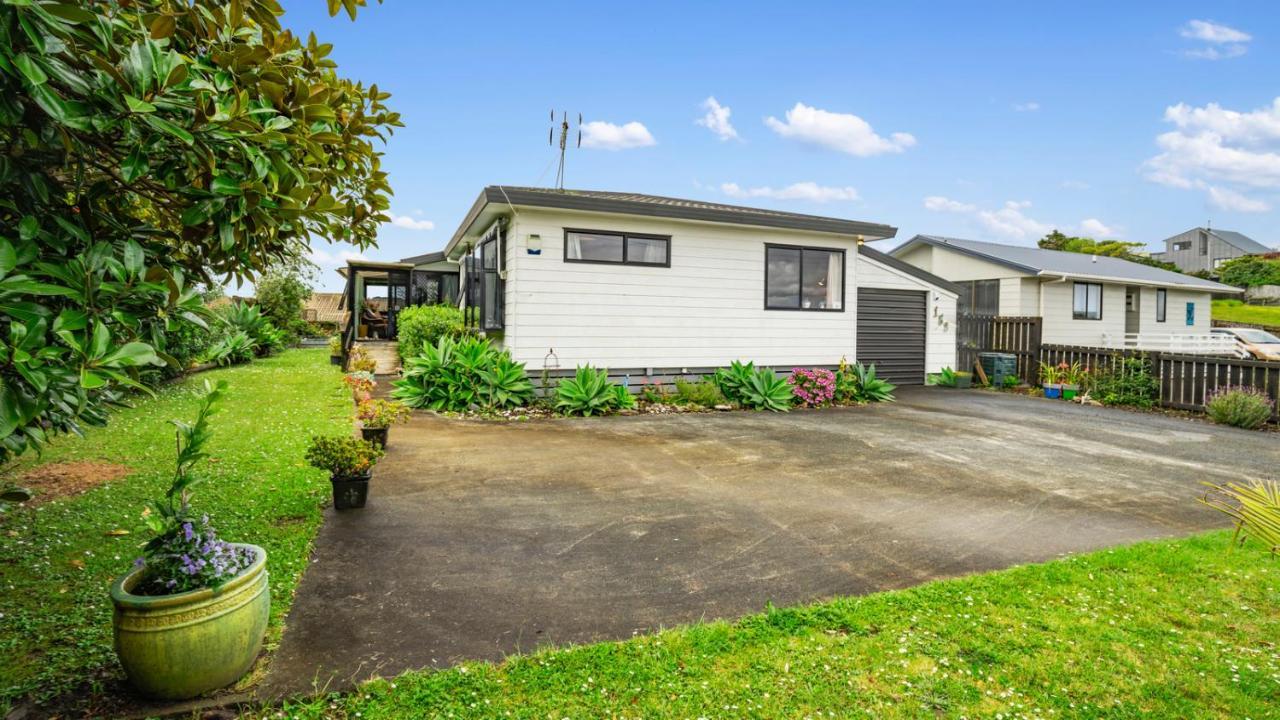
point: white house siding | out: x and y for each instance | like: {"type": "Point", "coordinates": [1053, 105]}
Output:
{"type": "Point", "coordinates": [940, 336]}
{"type": "Point", "coordinates": [706, 310]}
{"type": "Point", "coordinates": [957, 266]}
{"type": "Point", "coordinates": [1176, 313]}
{"type": "Point", "coordinates": [1058, 327]}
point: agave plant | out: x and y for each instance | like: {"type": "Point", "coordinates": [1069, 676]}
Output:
{"type": "Point", "coordinates": [870, 387]}
{"type": "Point", "coordinates": [764, 390]}
{"type": "Point", "coordinates": [733, 379]}
{"type": "Point", "coordinates": [506, 383]}
{"type": "Point", "coordinates": [233, 349]}
{"type": "Point", "coordinates": [588, 392]}
{"type": "Point", "coordinates": [1254, 507]}
{"type": "Point", "coordinates": [622, 398]}
{"type": "Point", "coordinates": [456, 375]}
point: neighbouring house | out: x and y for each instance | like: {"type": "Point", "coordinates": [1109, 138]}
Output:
{"type": "Point", "coordinates": [654, 287]}
{"type": "Point", "coordinates": [1083, 300]}
{"type": "Point", "coordinates": [1204, 249]}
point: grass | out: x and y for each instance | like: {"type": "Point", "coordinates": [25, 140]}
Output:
{"type": "Point", "coordinates": [1237, 311]}
{"type": "Point", "coordinates": [1185, 628]}
{"type": "Point", "coordinates": [57, 560]}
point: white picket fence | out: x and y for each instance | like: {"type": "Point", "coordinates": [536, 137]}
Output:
{"type": "Point", "coordinates": [1218, 344]}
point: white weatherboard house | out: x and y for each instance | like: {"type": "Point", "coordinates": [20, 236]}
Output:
{"type": "Point", "coordinates": [1082, 299]}
{"type": "Point", "coordinates": [657, 287]}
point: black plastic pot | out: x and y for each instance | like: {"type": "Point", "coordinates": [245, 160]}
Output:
{"type": "Point", "coordinates": [377, 436]}
{"type": "Point", "coordinates": [335, 359]}
{"type": "Point", "coordinates": [350, 493]}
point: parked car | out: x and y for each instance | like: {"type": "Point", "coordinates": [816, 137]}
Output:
{"type": "Point", "coordinates": [1257, 343]}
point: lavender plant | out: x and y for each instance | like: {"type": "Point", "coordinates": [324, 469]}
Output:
{"type": "Point", "coordinates": [185, 553]}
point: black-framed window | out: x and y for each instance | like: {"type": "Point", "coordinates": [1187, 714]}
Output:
{"type": "Point", "coordinates": [803, 278]}
{"type": "Point", "coordinates": [616, 248]}
{"type": "Point", "coordinates": [485, 289]}
{"type": "Point", "coordinates": [1162, 304]}
{"type": "Point", "coordinates": [1086, 301]}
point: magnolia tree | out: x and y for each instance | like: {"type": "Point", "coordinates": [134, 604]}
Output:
{"type": "Point", "coordinates": [149, 147]}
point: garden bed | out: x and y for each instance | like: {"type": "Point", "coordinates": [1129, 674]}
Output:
{"type": "Point", "coordinates": [59, 557]}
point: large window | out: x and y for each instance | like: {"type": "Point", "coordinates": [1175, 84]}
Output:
{"type": "Point", "coordinates": [1162, 304]}
{"type": "Point", "coordinates": [803, 278]}
{"type": "Point", "coordinates": [593, 246]}
{"type": "Point", "coordinates": [1086, 302]}
{"type": "Point", "coordinates": [979, 297]}
{"type": "Point", "coordinates": [485, 289]}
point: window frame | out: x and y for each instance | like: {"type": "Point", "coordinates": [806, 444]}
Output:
{"type": "Point", "coordinates": [1162, 305]}
{"type": "Point", "coordinates": [626, 245]}
{"type": "Point", "coordinates": [844, 275]}
{"type": "Point", "coordinates": [1085, 315]}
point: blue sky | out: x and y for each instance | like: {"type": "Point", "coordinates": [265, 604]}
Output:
{"type": "Point", "coordinates": [993, 121]}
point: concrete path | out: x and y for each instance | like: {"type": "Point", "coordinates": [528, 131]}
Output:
{"type": "Point", "coordinates": [483, 539]}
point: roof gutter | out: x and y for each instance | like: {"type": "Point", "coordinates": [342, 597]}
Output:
{"type": "Point", "coordinates": [1130, 281]}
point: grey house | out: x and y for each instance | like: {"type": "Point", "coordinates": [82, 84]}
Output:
{"type": "Point", "coordinates": [1206, 249]}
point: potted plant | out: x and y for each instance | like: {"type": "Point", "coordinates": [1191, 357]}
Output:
{"type": "Point", "coordinates": [1071, 376]}
{"type": "Point", "coordinates": [964, 379]}
{"type": "Point", "coordinates": [335, 350]}
{"type": "Point", "coordinates": [376, 418]}
{"type": "Point", "coordinates": [350, 464]}
{"type": "Point", "coordinates": [361, 384]}
{"type": "Point", "coordinates": [951, 379]}
{"type": "Point", "coordinates": [191, 614]}
{"type": "Point", "coordinates": [1051, 380]}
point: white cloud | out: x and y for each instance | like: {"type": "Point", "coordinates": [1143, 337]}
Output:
{"type": "Point", "coordinates": [717, 119]}
{"type": "Point", "coordinates": [1026, 106]}
{"type": "Point", "coordinates": [1230, 200]}
{"type": "Point", "coordinates": [1223, 42]}
{"type": "Point", "coordinates": [1209, 31]}
{"type": "Point", "coordinates": [601, 135]}
{"type": "Point", "coordinates": [1221, 152]}
{"type": "Point", "coordinates": [937, 203]}
{"type": "Point", "coordinates": [333, 258]}
{"type": "Point", "coordinates": [1008, 221]}
{"type": "Point", "coordinates": [810, 191]}
{"type": "Point", "coordinates": [410, 223]}
{"type": "Point", "coordinates": [1098, 230]}
{"type": "Point", "coordinates": [844, 132]}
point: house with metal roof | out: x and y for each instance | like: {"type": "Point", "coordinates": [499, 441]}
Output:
{"type": "Point", "coordinates": [1203, 249]}
{"type": "Point", "coordinates": [1083, 300]}
{"type": "Point", "coordinates": [658, 287]}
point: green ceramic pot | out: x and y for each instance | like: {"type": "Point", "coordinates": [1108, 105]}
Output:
{"type": "Point", "coordinates": [175, 647]}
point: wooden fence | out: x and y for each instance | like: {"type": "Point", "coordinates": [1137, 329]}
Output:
{"type": "Point", "coordinates": [1019, 336]}
{"type": "Point", "coordinates": [1185, 381]}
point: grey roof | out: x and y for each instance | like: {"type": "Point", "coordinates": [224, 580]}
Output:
{"type": "Point", "coordinates": [908, 268]}
{"type": "Point", "coordinates": [425, 259]}
{"type": "Point", "coordinates": [657, 206]}
{"type": "Point", "coordinates": [1240, 241]}
{"type": "Point", "coordinates": [1038, 261]}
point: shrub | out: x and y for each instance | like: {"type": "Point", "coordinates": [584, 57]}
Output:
{"type": "Point", "coordinates": [342, 455]}
{"type": "Point", "coordinates": [813, 388]}
{"type": "Point", "coordinates": [456, 375]}
{"type": "Point", "coordinates": [232, 349]}
{"type": "Point", "coordinates": [248, 319]}
{"type": "Point", "coordinates": [589, 392]}
{"type": "Point", "coordinates": [1254, 507]}
{"type": "Point", "coordinates": [381, 413]}
{"type": "Point", "coordinates": [420, 325]}
{"type": "Point", "coordinates": [281, 296]}
{"type": "Point", "coordinates": [655, 394]}
{"type": "Point", "coordinates": [945, 378]}
{"type": "Point", "coordinates": [703, 394]}
{"type": "Point", "coordinates": [1128, 383]}
{"type": "Point", "coordinates": [358, 360]}
{"type": "Point", "coordinates": [335, 346]}
{"type": "Point", "coordinates": [1242, 407]}
{"type": "Point", "coordinates": [1250, 271]}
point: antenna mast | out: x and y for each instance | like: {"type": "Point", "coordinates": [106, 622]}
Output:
{"type": "Point", "coordinates": [564, 141]}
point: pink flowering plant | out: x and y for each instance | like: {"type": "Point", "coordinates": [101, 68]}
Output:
{"type": "Point", "coordinates": [813, 387]}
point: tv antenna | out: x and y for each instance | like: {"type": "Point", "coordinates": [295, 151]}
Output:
{"type": "Point", "coordinates": [564, 141]}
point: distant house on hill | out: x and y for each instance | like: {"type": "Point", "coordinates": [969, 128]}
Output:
{"type": "Point", "coordinates": [1205, 249]}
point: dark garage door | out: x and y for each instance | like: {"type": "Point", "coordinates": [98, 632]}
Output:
{"type": "Point", "coordinates": [891, 329]}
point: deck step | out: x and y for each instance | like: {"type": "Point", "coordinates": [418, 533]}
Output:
{"type": "Point", "coordinates": [386, 353]}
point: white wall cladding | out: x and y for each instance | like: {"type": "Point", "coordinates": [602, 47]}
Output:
{"type": "Point", "coordinates": [940, 337]}
{"type": "Point", "coordinates": [705, 310]}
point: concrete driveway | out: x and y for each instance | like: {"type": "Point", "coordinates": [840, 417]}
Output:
{"type": "Point", "coordinates": [483, 539]}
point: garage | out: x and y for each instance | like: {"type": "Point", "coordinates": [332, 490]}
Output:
{"type": "Point", "coordinates": [892, 325]}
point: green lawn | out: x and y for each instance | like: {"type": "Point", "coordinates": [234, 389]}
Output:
{"type": "Point", "coordinates": [57, 561]}
{"type": "Point", "coordinates": [1237, 311]}
{"type": "Point", "coordinates": [1168, 629]}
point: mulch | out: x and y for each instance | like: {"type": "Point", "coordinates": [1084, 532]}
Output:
{"type": "Point", "coordinates": [66, 479]}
